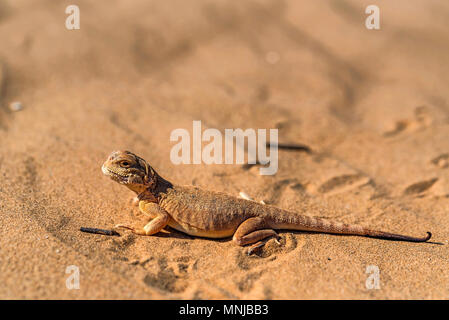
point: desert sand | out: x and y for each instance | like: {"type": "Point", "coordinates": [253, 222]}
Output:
{"type": "Point", "coordinates": [372, 105]}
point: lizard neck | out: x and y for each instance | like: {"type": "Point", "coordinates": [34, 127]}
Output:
{"type": "Point", "coordinates": [155, 187]}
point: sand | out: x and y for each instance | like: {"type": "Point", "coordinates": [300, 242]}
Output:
{"type": "Point", "coordinates": [372, 104]}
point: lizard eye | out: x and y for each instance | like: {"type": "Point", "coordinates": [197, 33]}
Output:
{"type": "Point", "coordinates": [124, 164]}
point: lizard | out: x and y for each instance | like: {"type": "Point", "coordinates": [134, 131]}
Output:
{"type": "Point", "coordinates": [211, 214]}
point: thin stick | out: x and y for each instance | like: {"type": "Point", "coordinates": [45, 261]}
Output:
{"type": "Point", "coordinates": [100, 231]}
{"type": "Point", "coordinates": [291, 146]}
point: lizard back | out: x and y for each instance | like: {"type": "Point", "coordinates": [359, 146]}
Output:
{"type": "Point", "coordinates": [201, 212]}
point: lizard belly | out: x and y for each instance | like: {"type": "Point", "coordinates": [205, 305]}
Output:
{"type": "Point", "coordinates": [198, 232]}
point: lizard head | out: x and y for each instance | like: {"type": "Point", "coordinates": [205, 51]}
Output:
{"type": "Point", "coordinates": [130, 170]}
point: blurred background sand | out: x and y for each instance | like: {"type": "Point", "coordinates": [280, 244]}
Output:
{"type": "Point", "coordinates": [372, 104]}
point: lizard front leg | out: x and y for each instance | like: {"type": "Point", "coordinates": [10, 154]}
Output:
{"type": "Point", "coordinates": [253, 231]}
{"type": "Point", "coordinates": [160, 220]}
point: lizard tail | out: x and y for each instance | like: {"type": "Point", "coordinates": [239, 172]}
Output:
{"type": "Point", "coordinates": [289, 220]}
{"type": "Point", "coordinates": [348, 229]}
{"type": "Point", "coordinates": [393, 236]}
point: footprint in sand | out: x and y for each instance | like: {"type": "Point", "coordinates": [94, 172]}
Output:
{"type": "Point", "coordinates": [269, 253]}
{"type": "Point", "coordinates": [171, 276]}
{"type": "Point", "coordinates": [246, 283]}
{"type": "Point", "coordinates": [343, 183]}
{"type": "Point", "coordinates": [419, 188]}
{"type": "Point", "coordinates": [441, 161]}
{"type": "Point", "coordinates": [421, 120]}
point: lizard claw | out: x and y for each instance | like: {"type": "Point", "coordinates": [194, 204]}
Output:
{"type": "Point", "coordinates": [278, 239]}
{"type": "Point", "coordinates": [254, 247]}
{"type": "Point", "coordinates": [249, 251]}
{"type": "Point", "coordinates": [260, 244]}
{"type": "Point", "coordinates": [141, 232]}
{"type": "Point", "coordinates": [123, 226]}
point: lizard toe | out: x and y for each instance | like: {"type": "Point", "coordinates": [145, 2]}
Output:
{"type": "Point", "coordinates": [254, 247]}
{"type": "Point", "coordinates": [117, 226]}
{"type": "Point", "coordinates": [141, 232]}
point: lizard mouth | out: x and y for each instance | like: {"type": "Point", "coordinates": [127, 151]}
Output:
{"type": "Point", "coordinates": [114, 175]}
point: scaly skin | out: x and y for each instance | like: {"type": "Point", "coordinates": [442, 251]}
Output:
{"type": "Point", "coordinates": [204, 213]}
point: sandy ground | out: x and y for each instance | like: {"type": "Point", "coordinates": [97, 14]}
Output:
{"type": "Point", "coordinates": [372, 104]}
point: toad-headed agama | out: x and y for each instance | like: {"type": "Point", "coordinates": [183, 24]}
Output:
{"type": "Point", "coordinates": [204, 213]}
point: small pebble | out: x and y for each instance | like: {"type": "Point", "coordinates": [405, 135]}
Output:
{"type": "Point", "coordinates": [443, 163]}
{"type": "Point", "coordinates": [57, 251]}
{"type": "Point", "coordinates": [272, 57]}
{"type": "Point", "coordinates": [16, 106]}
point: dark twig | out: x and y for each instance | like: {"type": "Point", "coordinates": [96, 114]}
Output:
{"type": "Point", "coordinates": [290, 146]}
{"type": "Point", "coordinates": [100, 231]}
{"type": "Point", "coordinates": [282, 146]}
